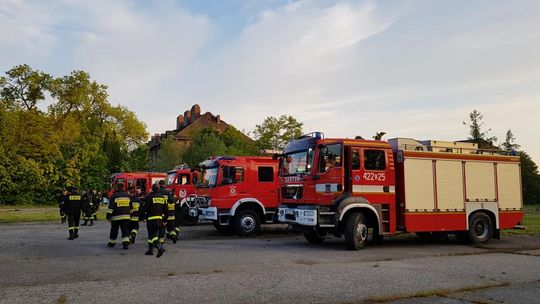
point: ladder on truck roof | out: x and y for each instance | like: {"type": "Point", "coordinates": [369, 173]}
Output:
{"type": "Point", "coordinates": [457, 147]}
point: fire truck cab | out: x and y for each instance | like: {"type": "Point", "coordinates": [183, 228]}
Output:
{"type": "Point", "coordinates": [181, 182]}
{"type": "Point", "coordinates": [358, 188]}
{"type": "Point", "coordinates": [238, 192]}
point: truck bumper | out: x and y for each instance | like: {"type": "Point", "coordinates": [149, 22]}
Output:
{"type": "Point", "coordinates": [305, 216]}
{"type": "Point", "coordinates": [209, 213]}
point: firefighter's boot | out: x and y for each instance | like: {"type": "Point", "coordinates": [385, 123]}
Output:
{"type": "Point", "coordinates": [91, 223]}
{"type": "Point", "coordinates": [63, 220]}
{"type": "Point", "coordinates": [111, 244]}
{"type": "Point", "coordinates": [85, 223]}
{"type": "Point", "coordinates": [76, 232]}
{"type": "Point", "coordinates": [71, 235]}
{"type": "Point", "coordinates": [150, 250]}
{"type": "Point", "coordinates": [160, 250]}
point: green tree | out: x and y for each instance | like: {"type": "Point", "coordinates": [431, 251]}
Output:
{"type": "Point", "coordinates": [80, 140]}
{"type": "Point", "coordinates": [274, 132]}
{"type": "Point", "coordinates": [530, 179]}
{"type": "Point", "coordinates": [24, 87]}
{"type": "Point", "coordinates": [475, 125]}
{"type": "Point", "coordinates": [379, 135]}
{"type": "Point", "coordinates": [237, 143]}
{"type": "Point", "coordinates": [509, 143]}
{"type": "Point", "coordinates": [206, 143]}
{"type": "Point", "coordinates": [169, 154]}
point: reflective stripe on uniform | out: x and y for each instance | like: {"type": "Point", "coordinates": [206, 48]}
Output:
{"type": "Point", "coordinates": [155, 239]}
{"type": "Point", "coordinates": [162, 240]}
{"type": "Point", "coordinates": [120, 217]}
{"type": "Point", "coordinates": [71, 228]}
{"type": "Point", "coordinates": [135, 218]}
{"type": "Point", "coordinates": [112, 241]}
{"type": "Point", "coordinates": [134, 231]}
{"type": "Point", "coordinates": [157, 217]}
{"type": "Point", "coordinates": [172, 233]}
{"type": "Point", "coordinates": [177, 230]}
{"type": "Point", "coordinates": [125, 239]}
{"type": "Point", "coordinates": [170, 217]}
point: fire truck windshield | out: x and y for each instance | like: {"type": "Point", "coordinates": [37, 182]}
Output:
{"type": "Point", "coordinates": [296, 163]}
{"type": "Point", "coordinates": [209, 178]}
{"type": "Point", "coordinates": [170, 178]}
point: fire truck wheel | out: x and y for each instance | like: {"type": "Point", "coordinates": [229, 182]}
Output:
{"type": "Point", "coordinates": [185, 218]}
{"type": "Point", "coordinates": [246, 222]}
{"type": "Point", "coordinates": [315, 236]}
{"type": "Point", "coordinates": [356, 231]}
{"type": "Point", "coordinates": [480, 228]}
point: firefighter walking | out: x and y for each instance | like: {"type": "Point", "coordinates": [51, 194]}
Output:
{"type": "Point", "coordinates": [72, 208]}
{"type": "Point", "coordinates": [135, 213]}
{"type": "Point", "coordinates": [62, 197]}
{"type": "Point", "coordinates": [154, 210]}
{"type": "Point", "coordinates": [88, 208]}
{"type": "Point", "coordinates": [119, 213]}
{"type": "Point", "coordinates": [167, 194]}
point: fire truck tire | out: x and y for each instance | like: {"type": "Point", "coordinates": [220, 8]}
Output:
{"type": "Point", "coordinates": [185, 218]}
{"type": "Point", "coordinates": [480, 228]}
{"type": "Point", "coordinates": [356, 231]}
{"type": "Point", "coordinates": [246, 222]}
{"type": "Point", "coordinates": [315, 236]}
{"type": "Point", "coordinates": [222, 228]}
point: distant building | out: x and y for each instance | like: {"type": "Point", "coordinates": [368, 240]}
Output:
{"type": "Point", "coordinates": [186, 124]}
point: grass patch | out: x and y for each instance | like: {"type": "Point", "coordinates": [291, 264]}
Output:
{"type": "Point", "coordinates": [28, 213]}
{"type": "Point", "coordinates": [531, 221]}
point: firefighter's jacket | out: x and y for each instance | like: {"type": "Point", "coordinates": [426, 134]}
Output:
{"type": "Point", "coordinates": [155, 208]}
{"type": "Point", "coordinates": [171, 206]}
{"type": "Point", "coordinates": [72, 202]}
{"type": "Point", "coordinates": [86, 203]}
{"type": "Point", "coordinates": [136, 208]}
{"type": "Point", "coordinates": [119, 206]}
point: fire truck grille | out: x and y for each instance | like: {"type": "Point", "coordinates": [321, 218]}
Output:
{"type": "Point", "coordinates": [201, 202]}
{"type": "Point", "coordinates": [292, 192]}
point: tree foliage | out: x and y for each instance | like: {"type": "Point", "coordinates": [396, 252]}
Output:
{"type": "Point", "coordinates": [475, 125]}
{"type": "Point", "coordinates": [274, 132]}
{"type": "Point", "coordinates": [206, 142]}
{"type": "Point", "coordinates": [530, 178]}
{"type": "Point", "coordinates": [79, 140]}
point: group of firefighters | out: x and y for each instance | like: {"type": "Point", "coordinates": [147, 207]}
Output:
{"type": "Point", "coordinates": [159, 209]}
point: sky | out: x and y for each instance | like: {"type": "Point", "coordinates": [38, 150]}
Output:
{"type": "Point", "coordinates": [413, 69]}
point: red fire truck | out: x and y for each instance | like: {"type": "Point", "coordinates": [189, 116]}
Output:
{"type": "Point", "coordinates": [181, 181]}
{"type": "Point", "coordinates": [238, 192]}
{"type": "Point", "coordinates": [138, 180]}
{"type": "Point", "coordinates": [358, 188]}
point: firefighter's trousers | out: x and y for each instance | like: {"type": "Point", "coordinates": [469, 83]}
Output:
{"type": "Point", "coordinates": [156, 232]}
{"type": "Point", "coordinates": [123, 225]}
{"type": "Point", "coordinates": [73, 218]}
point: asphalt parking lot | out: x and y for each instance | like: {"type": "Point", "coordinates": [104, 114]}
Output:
{"type": "Point", "coordinates": [39, 265]}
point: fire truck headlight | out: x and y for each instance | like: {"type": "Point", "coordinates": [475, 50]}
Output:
{"type": "Point", "coordinates": [309, 213]}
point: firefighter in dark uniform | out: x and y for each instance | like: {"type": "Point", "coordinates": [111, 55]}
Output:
{"type": "Point", "coordinates": [96, 199]}
{"type": "Point", "coordinates": [88, 208]}
{"type": "Point", "coordinates": [135, 212]}
{"type": "Point", "coordinates": [119, 213]}
{"type": "Point", "coordinates": [72, 208]}
{"type": "Point", "coordinates": [62, 197]}
{"type": "Point", "coordinates": [171, 232]}
{"type": "Point", "coordinates": [154, 210]}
